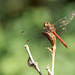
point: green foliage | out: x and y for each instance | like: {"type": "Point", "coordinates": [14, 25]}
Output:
{"type": "Point", "coordinates": [28, 18]}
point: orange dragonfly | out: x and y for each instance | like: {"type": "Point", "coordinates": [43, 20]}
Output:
{"type": "Point", "coordinates": [61, 23]}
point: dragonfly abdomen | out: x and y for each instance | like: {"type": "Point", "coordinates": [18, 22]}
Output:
{"type": "Point", "coordinates": [60, 40]}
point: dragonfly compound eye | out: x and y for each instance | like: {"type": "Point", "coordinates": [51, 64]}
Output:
{"type": "Point", "coordinates": [46, 24]}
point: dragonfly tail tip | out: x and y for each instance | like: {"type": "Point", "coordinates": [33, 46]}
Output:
{"type": "Point", "coordinates": [67, 47]}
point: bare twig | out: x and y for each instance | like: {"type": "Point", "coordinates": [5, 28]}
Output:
{"type": "Point", "coordinates": [31, 61]}
{"type": "Point", "coordinates": [49, 71]}
{"type": "Point", "coordinates": [53, 58]}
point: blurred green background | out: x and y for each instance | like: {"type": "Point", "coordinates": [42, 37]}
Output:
{"type": "Point", "coordinates": [29, 16]}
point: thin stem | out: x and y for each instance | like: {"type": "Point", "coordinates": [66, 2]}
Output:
{"type": "Point", "coordinates": [29, 53]}
{"type": "Point", "coordinates": [53, 58]}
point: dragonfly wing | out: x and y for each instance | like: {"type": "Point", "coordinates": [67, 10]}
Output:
{"type": "Point", "coordinates": [61, 23]}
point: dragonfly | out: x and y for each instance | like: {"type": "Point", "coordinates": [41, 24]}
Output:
{"type": "Point", "coordinates": [60, 24]}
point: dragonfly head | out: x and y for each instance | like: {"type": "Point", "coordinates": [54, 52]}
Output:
{"type": "Point", "coordinates": [46, 24]}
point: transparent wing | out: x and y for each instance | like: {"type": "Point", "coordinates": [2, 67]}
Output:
{"type": "Point", "coordinates": [61, 23]}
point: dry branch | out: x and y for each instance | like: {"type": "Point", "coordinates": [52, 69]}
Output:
{"type": "Point", "coordinates": [31, 61]}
